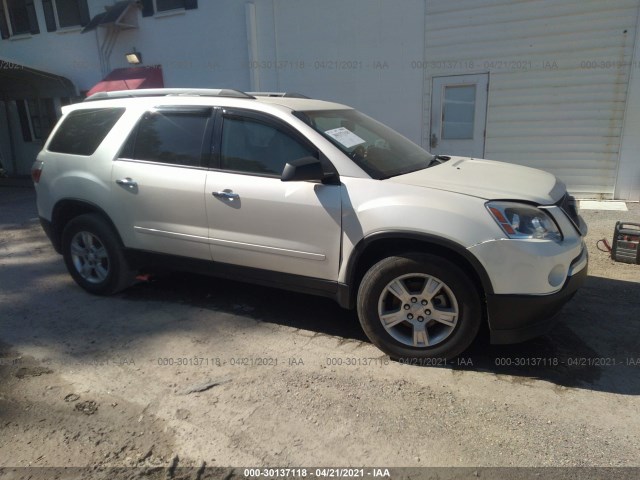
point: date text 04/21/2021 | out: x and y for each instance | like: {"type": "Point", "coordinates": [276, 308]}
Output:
{"type": "Point", "coordinates": [317, 472]}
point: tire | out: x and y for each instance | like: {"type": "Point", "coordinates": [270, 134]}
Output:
{"type": "Point", "coordinates": [93, 255]}
{"type": "Point", "coordinates": [419, 306]}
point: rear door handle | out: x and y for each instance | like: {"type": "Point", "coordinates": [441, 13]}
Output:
{"type": "Point", "coordinates": [226, 194]}
{"type": "Point", "coordinates": [127, 182]}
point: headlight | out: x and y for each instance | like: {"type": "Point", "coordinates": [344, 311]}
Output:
{"type": "Point", "coordinates": [519, 220]}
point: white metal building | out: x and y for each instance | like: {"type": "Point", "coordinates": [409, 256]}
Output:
{"type": "Point", "coordinates": [553, 84]}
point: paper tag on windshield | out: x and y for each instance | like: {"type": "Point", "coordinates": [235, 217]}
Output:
{"type": "Point", "coordinates": [345, 137]}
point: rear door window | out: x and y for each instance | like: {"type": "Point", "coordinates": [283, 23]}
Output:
{"type": "Point", "coordinates": [173, 137]}
{"type": "Point", "coordinates": [82, 131]}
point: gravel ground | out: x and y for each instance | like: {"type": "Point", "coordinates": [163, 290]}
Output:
{"type": "Point", "coordinates": [187, 371]}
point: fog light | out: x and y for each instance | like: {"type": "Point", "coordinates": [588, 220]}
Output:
{"type": "Point", "coordinates": [557, 275]}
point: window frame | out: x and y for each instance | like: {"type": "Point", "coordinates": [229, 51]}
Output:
{"type": "Point", "coordinates": [45, 110]}
{"type": "Point", "coordinates": [270, 121]}
{"type": "Point", "coordinates": [177, 9]}
{"type": "Point", "coordinates": [52, 17]}
{"type": "Point", "coordinates": [206, 150]}
{"type": "Point", "coordinates": [444, 106]}
{"type": "Point", "coordinates": [41, 117]}
{"type": "Point", "coordinates": [24, 115]}
{"type": "Point", "coordinates": [32, 19]}
{"type": "Point", "coordinates": [150, 8]}
{"type": "Point", "coordinates": [56, 15]}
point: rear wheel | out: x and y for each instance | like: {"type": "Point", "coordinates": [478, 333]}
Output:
{"type": "Point", "coordinates": [419, 306]}
{"type": "Point", "coordinates": [93, 255]}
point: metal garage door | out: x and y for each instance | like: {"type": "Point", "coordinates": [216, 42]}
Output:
{"type": "Point", "coordinates": [559, 73]}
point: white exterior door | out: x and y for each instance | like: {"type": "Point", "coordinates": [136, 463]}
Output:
{"type": "Point", "coordinates": [158, 184]}
{"type": "Point", "coordinates": [458, 115]}
{"type": "Point", "coordinates": [255, 219]}
{"type": "Point", "coordinates": [288, 227]}
{"type": "Point", "coordinates": [161, 208]}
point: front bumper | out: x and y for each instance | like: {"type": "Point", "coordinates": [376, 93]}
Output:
{"type": "Point", "coordinates": [516, 318]}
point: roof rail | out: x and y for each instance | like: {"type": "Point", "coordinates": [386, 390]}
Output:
{"type": "Point", "coordinates": [278, 94]}
{"type": "Point", "coordinates": [165, 92]}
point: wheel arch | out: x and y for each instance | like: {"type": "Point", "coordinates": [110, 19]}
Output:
{"type": "Point", "coordinates": [66, 210]}
{"type": "Point", "coordinates": [379, 245]}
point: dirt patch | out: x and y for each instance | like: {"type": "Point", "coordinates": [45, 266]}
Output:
{"type": "Point", "coordinates": [88, 407]}
{"type": "Point", "coordinates": [32, 372]}
{"type": "Point", "coordinates": [41, 425]}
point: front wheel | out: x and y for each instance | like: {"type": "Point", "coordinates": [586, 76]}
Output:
{"type": "Point", "coordinates": [419, 306]}
{"type": "Point", "coordinates": [93, 255]}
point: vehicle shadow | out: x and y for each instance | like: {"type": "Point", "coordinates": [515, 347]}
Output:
{"type": "Point", "coordinates": [595, 345]}
{"type": "Point", "coordinates": [271, 305]}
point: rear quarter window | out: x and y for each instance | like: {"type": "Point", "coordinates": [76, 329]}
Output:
{"type": "Point", "coordinates": [82, 131]}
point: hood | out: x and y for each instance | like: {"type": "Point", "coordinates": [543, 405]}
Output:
{"type": "Point", "coordinates": [488, 179]}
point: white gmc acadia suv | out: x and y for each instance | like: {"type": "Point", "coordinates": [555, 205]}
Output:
{"type": "Point", "coordinates": [310, 196]}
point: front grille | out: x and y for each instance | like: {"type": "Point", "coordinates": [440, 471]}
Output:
{"type": "Point", "coordinates": [570, 207]}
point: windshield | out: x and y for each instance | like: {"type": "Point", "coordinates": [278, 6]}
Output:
{"type": "Point", "coordinates": [374, 147]}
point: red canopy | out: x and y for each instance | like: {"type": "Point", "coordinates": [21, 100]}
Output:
{"type": "Point", "coordinates": [130, 79]}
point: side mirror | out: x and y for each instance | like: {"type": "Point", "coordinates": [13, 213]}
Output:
{"type": "Point", "coordinates": [301, 169]}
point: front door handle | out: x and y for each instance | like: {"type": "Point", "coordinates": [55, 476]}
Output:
{"type": "Point", "coordinates": [127, 182]}
{"type": "Point", "coordinates": [226, 194]}
{"type": "Point", "coordinates": [434, 140]}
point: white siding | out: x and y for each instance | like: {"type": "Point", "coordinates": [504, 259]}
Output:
{"type": "Point", "coordinates": [358, 52]}
{"type": "Point", "coordinates": [628, 183]}
{"type": "Point", "coordinates": [546, 109]}
{"type": "Point", "coordinates": [205, 47]}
